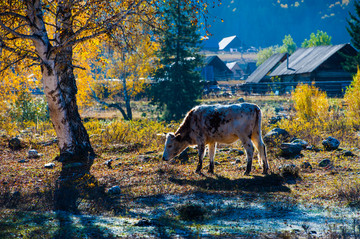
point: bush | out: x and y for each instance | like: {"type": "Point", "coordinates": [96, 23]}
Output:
{"type": "Point", "coordinates": [312, 114]}
{"type": "Point", "coordinates": [310, 103]}
{"type": "Point", "coordinates": [26, 108]}
{"type": "Point", "coordinates": [352, 100]}
{"type": "Point", "coordinates": [349, 193]}
{"type": "Point", "coordinates": [142, 132]}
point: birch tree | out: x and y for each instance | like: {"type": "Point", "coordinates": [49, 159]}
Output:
{"type": "Point", "coordinates": [46, 33]}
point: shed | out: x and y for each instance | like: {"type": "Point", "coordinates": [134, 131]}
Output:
{"type": "Point", "coordinates": [236, 69]}
{"type": "Point", "coordinates": [215, 70]}
{"type": "Point", "coordinates": [232, 44]}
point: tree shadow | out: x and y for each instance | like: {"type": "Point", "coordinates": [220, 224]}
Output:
{"type": "Point", "coordinates": [268, 183]}
{"type": "Point", "coordinates": [72, 188]}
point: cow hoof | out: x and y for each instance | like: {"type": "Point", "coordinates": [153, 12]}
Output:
{"type": "Point", "coordinates": [211, 171]}
{"type": "Point", "coordinates": [198, 172]}
{"type": "Point", "coordinates": [265, 173]}
{"type": "Point", "coordinates": [247, 173]}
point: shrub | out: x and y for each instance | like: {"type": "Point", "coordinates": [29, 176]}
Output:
{"type": "Point", "coordinates": [349, 193]}
{"type": "Point", "coordinates": [352, 100]}
{"type": "Point", "coordinates": [26, 108]}
{"type": "Point", "coordinates": [142, 132]}
{"type": "Point", "coordinates": [312, 114]}
{"type": "Point", "coordinates": [310, 103]}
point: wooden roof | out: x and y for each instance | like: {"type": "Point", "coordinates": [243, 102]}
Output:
{"type": "Point", "coordinates": [306, 60]}
{"type": "Point", "coordinates": [218, 63]}
{"type": "Point", "coordinates": [265, 68]}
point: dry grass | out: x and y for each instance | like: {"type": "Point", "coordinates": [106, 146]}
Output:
{"type": "Point", "coordinates": [137, 167]}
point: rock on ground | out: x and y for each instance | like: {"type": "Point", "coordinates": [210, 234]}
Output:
{"type": "Point", "coordinates": [330, 143]}
{"type": "Point", "coordinates": [276, 136]}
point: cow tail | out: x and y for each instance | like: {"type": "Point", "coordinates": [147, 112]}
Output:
{"type": "Point", "coordinates": [257, 126]}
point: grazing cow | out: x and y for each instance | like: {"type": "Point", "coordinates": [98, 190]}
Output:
{"type": "Point", "coordinates": [212, 124]}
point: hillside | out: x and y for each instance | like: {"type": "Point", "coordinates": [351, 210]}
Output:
{"type": "Point", "coordinates": [264, 23]}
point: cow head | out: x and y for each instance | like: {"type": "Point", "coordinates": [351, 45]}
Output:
{"type": "Point", "coordinates": [174, 145]}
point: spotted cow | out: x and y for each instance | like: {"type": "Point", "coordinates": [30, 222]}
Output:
{"type": "Point", "coordinates": [212, 124]}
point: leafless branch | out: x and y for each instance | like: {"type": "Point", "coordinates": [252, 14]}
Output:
{"type": "Point", "coordinates": [110, 105]}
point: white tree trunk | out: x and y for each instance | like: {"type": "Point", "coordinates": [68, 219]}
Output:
{"type": "Point", "coordinates": [59, 85]}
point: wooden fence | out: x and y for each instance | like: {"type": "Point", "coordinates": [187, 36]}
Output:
{"type": "Point", "coordinates": [332, 88]}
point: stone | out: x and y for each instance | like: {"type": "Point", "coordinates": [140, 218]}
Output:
{"type": "Point", "coordinates": [144, 223]}
{"type": "Point", "coordinates": [115, 190]}
{"type": "Point", "coordinates": [313, 148]}
{"type": "Point", "coordinates": [276, 136]}
{"type": "Point", "coordinates": [23, 161]}
{"type": "Point", "coordinates": [237, 151]}
{"type": "Point", "coordinates": [347, 153]}
{"type": "Point", "coordinates": [144, 158]}
{"type": "Point", "coordinates": [241, 100]}
{"type": "Point", "coordinates": [290, 149]}
{"type": "Point", "coordinates": [275, 119]}
{"type": "Point", "coordinates": [289, 170]}
{"type": "Point", "coordinates": [301, 142]}
{"type": "Point", "coordinates": [330, 143]}
{"type": "Point", "coordinates": [108, 163]}
{"type": "Point", "coordinates": [279, 109]}
{"type": "Point", "coordinates": [49, 165]}
{"type": "Point", "coordinates": [306, 165]}
{"type": "Point", "coordinates": [15, 143]}
{"type": "Point", "coordinates": [33, 153]}
{"type": "Point", "coordinates": [324, 163]}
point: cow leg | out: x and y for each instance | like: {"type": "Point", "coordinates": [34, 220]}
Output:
{"type": "Point", "coordinates": [201, 150]}
{"type": "Point", "coordinates": [249, 148]}
{"type": "Point", "coordinates": [212, 150]}
{"type": "Point", "coordinates": [261, 148]}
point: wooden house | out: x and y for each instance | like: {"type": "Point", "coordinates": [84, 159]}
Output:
{"type": "Point", "coordinates": [231, 44]}
{"type": "Point", "coordinates": [238, 73]}
{"type": "Point", "coordinates": [320, 65]}
{"type": "Point", "coordinates": [215, 70]}
{"type": "Point", "coordinates": [261, 74]}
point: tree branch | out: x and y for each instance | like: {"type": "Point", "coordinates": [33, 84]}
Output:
{"type": "Point", "coordinates": [16, 52]}
{"type": "Point", "coordinates": [15, 33]}
{"type": "Point", "coordinates": [15, 15]}
{"type": "Point", "coordinates": [110, 105]}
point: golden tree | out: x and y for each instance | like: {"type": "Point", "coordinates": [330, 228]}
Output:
{"type": "Point", "coordinates": [128, 67]}
{"type": "Point", "coordinates": [47, 33]}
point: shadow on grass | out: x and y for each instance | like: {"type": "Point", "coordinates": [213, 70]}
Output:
{"type": "Point", "coordinates": [269, 183]}
{"type": "Point", "coordinates": [72, 190]}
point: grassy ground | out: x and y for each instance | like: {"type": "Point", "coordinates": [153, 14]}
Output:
{"type": "Point", "coordinates": [135, 150]}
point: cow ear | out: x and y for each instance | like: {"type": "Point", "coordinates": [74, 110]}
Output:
{"type": "Point", "coordinates": [161, 135]}
{"type": "Point", "coordinates": [178, 137]}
